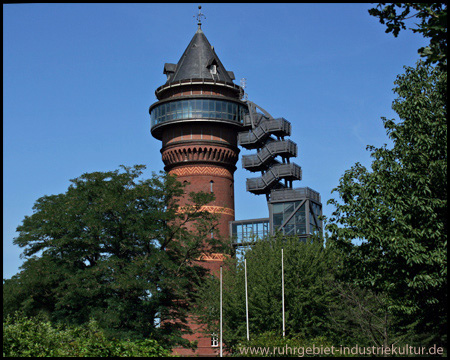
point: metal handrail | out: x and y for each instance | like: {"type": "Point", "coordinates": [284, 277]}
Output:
{"type": "Point", "coordinates": [297, 193]}
{"type": "Point", "coordinates": [252, 138]}
{"type": "Point", "coordinates": [284, 148]}
{"type": "Point", "coordinates": [268, 180]}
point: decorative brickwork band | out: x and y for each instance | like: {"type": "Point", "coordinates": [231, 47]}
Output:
{"type": "Point", "coordinates": [214, 210]}
{"type": "Point", "coordinates": [213, 257]}
{"type": "Point", "coordinates": [202, 170]}
{"type": "Point", "coordinates": [218, 209]}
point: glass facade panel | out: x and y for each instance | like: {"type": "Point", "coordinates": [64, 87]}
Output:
{"type": "Point", "coordinates": [289, 229]}
{"type": "Point", "coordinates": [288, 209]}
{"type": "Point", "coordinates": [198, 109]}
{"type": "Point", "coordinates": [278, 208]}
{"type": "Point", "coordinates": [281, 212]}
{"type": "Point", "coordinates": [277, 220]}
{"type": "Point", "coordinates": [277, 214]}
{"type": "Point", "coordinates": [249, 231]}
{"type": "Point", "coordinates": [300, 220]}
{"type": "Point", "coordinates": [312, 223]}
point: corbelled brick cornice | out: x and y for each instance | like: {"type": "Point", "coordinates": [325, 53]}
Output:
{"type": "Point", "coordinates": [199, 153]}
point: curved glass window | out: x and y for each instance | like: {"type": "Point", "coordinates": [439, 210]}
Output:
{"type": "Point", "coordinates": [198, 109]}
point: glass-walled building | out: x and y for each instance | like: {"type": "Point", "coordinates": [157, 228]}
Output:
{"type": "Point", "coordinates": [248, 231]}
{"type": "Point", "coordinates": [291, 212]}
{"type": "Point", "coordinates": [295, 211]}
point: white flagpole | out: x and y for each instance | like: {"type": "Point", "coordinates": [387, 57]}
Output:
{"type": "Point", "coordinates": [246, 299]}
{"type": "Point", "coordinates": [221, 353]}
{"type": "Point", "coordinates": [282, 286]}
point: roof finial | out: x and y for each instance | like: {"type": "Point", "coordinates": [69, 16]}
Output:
{"type": "Point", "coordinates": [199, 17]}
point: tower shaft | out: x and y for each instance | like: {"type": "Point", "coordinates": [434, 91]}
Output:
{"type": "Point", "coordinates": [197, 117]}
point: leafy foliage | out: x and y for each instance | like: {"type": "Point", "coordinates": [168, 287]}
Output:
{"type": "Point", "coordinates": [37, 337]}
{"type": "Point", "coordinates": [271, 344]}
{"type": "Point", "coordinates": [433, 25]}
{"type": "Point", "coordinates": [399, 209]}
{"type": "Point", "coordinates": [117, 249]}
{"type": "Point", "coordinates": [362, 317]}
{"type": "Point", "coordinates": [308, 269]}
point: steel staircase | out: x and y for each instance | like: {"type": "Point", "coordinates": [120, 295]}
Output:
{"type": "Point", "coordinates": [269, 180]}
{"type": "Point", "coordinates": [259, 135]}
{"type": "Point", "coordinates": [266, 156]}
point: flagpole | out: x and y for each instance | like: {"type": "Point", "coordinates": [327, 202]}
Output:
{"type": "Point", "coordinates": [246, 299]}
{"type": "Point", "coordinates": [282, 287]}
{"type": "Point", "coordinates": [221, 353]}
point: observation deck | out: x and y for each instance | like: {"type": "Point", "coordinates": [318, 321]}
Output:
{"type": "Point", "coordinates": [199, 108]}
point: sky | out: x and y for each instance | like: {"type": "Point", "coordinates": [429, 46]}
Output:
{"type": "Point", "coordinates": [78, 80]}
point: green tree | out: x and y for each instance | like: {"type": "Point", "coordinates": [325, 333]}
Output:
{"type": "Point", "coordinates": [360, 316]}
{"type": "Point", "coordinates": [308, 271]}
{"type": "Point", "coordinates": [433, 25]}
{"type": "Point", "coordinates": [399, 209]}
{"type": "Point", "coordinates": [115, 248]}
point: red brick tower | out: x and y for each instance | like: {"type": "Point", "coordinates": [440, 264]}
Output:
{"type": "Point", "coordinates": [197, 117]}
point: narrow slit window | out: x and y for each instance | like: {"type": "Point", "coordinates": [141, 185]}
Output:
{"type": "Point", "coordinates": [211, 186]}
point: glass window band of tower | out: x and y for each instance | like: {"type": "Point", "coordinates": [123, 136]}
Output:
{"type": "Point", "coordinates": [198, 109]}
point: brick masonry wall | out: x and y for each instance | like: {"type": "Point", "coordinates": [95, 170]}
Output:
{"type": "Point", "coordinates": [200, 153]}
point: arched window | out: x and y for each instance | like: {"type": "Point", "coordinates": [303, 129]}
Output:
{"type": "Point", "coordinates": [214, 340]}
{"type": "Point", "coordinates": [211, 186]}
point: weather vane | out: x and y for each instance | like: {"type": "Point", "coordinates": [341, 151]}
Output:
{"type": "Point", "coordinates": [199, 16]}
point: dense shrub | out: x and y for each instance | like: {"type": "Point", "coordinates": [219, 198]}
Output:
{"type": "Point", "coordinates": [24, 336]}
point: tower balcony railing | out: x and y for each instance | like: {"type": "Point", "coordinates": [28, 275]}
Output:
{"type": "Point", "coordinates": [263, 158]}
{"type": "Point", "coordinates": [296, 194]}
{"type": "Point", "coordinates": [197, 81]}
{"type": "Point", "coordinates": [264, 183]}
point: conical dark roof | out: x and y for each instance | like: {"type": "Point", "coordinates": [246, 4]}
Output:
{"type": "Point", "coordinates": [199, 61]}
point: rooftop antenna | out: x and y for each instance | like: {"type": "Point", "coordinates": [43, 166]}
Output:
{"type": "Point", "coordinates": [199, 17]}
{"type": "Point", "coordinates": [243, 86]}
